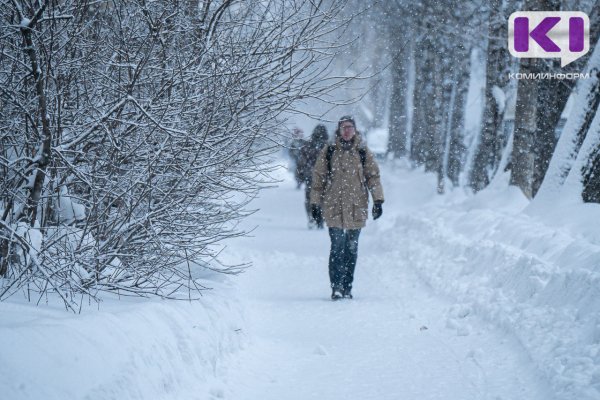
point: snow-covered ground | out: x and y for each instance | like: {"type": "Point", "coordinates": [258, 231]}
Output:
{"type": "Point", "coordinates": [129, 349]}
{"type": "Point", "coordinates": [456, 297]}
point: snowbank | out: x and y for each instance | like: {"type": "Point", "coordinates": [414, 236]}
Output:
{"type": "Point", "coordinates": [528, 274]}
{"type": "Point", "coordinates": [129, 348]}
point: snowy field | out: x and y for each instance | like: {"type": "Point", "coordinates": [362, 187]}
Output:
{"type": "Point", "coordinates": [456, 297]}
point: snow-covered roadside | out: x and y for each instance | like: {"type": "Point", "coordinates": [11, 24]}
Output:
{"type": "Point", "coordinates": [128, 349]}
{"type": "Point", "coordinates": [537, 281]}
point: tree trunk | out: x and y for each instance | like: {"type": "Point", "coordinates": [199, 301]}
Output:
{"type": "Point", "coordinates": [591, 176]}
{"type": "Point", "coordinates": [552, 96]}
{"type": "Point", "coordinates": [42, 159]}
{"type": "Point", "coordinates": [397, 124]}
{"type": "Point", "coordinates": [427, 104]}
{"type": "Point", "coordinates": [456, 149]}
{"type": "Point", "coordinates": [583, 182]}
{"type": "Point", "coordinates": [435, 159]}
{"type": "Point", "coordinates": [525, 128]}
{"type": "Point", "coordinates": [535, 111]}
{"type": "Point", "coordinates": [44, 156]}
{"type": "Point", "coordinates": [431, 143]}
{"type": "Point", "coordinates": [420, 126]}
{"type": "Point", "coordinates": [489, 150]}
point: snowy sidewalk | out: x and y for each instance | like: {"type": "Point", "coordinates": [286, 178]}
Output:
{"type": "Point", "coordinates": [396, 340]}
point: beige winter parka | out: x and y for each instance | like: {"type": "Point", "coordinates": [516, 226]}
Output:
{"type": "Point", "coordinates": [343, 194]}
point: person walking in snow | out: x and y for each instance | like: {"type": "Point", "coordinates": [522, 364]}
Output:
{"type": "Point", "coordinates": [343, 175]}
{"type": "Point", "coordinates": [304, 169]}
{"type": "Point", "coordinates": [294, 152]}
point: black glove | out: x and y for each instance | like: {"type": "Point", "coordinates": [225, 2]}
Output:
{"type": "Point", "coordinates": [377, 210]}
{"type": "Point", "coordinates": [316, 212]}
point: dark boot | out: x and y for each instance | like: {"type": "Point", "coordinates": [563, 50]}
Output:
{"type": "Point", "coordinates": [336, 294]}
{"type": "Point", "coordinates": [347, 293]}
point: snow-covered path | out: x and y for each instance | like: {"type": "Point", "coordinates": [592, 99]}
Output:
{"type": "Point", "coordinates": [397, 339]}
{"type": "Point", "coordinates": [456, 297]}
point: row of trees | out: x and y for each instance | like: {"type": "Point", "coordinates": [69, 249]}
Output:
{"type": "Point", "coordinates": [438, 118]}
{"type": "Point", "coordinates": [134, 133]}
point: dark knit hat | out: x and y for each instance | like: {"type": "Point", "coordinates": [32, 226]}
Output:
{"type": "Point", "coordinates": [320, 133]}
{"type": "Point", "coordinates": [346, 118]}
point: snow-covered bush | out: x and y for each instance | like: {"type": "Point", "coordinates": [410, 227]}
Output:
{"type": "Point", "coordinates": [133, 134]}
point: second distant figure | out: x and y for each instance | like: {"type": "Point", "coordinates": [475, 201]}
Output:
{"type": "Point", "coordinates": [304, 169]}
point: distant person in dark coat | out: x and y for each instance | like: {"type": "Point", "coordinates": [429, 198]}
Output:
{"type": "Point", "coordinates": [294, 152]}
{"type": "Point", "coordinates": [304, 169]}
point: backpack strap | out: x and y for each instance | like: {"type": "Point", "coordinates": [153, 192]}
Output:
{"type": "Point", "coordinates": [330, 150]}
{"type": "Point", "coordinates": [362, 152]}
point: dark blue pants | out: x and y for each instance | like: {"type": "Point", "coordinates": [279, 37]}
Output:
{"type": "Point", "coordinates": [342, 257]}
